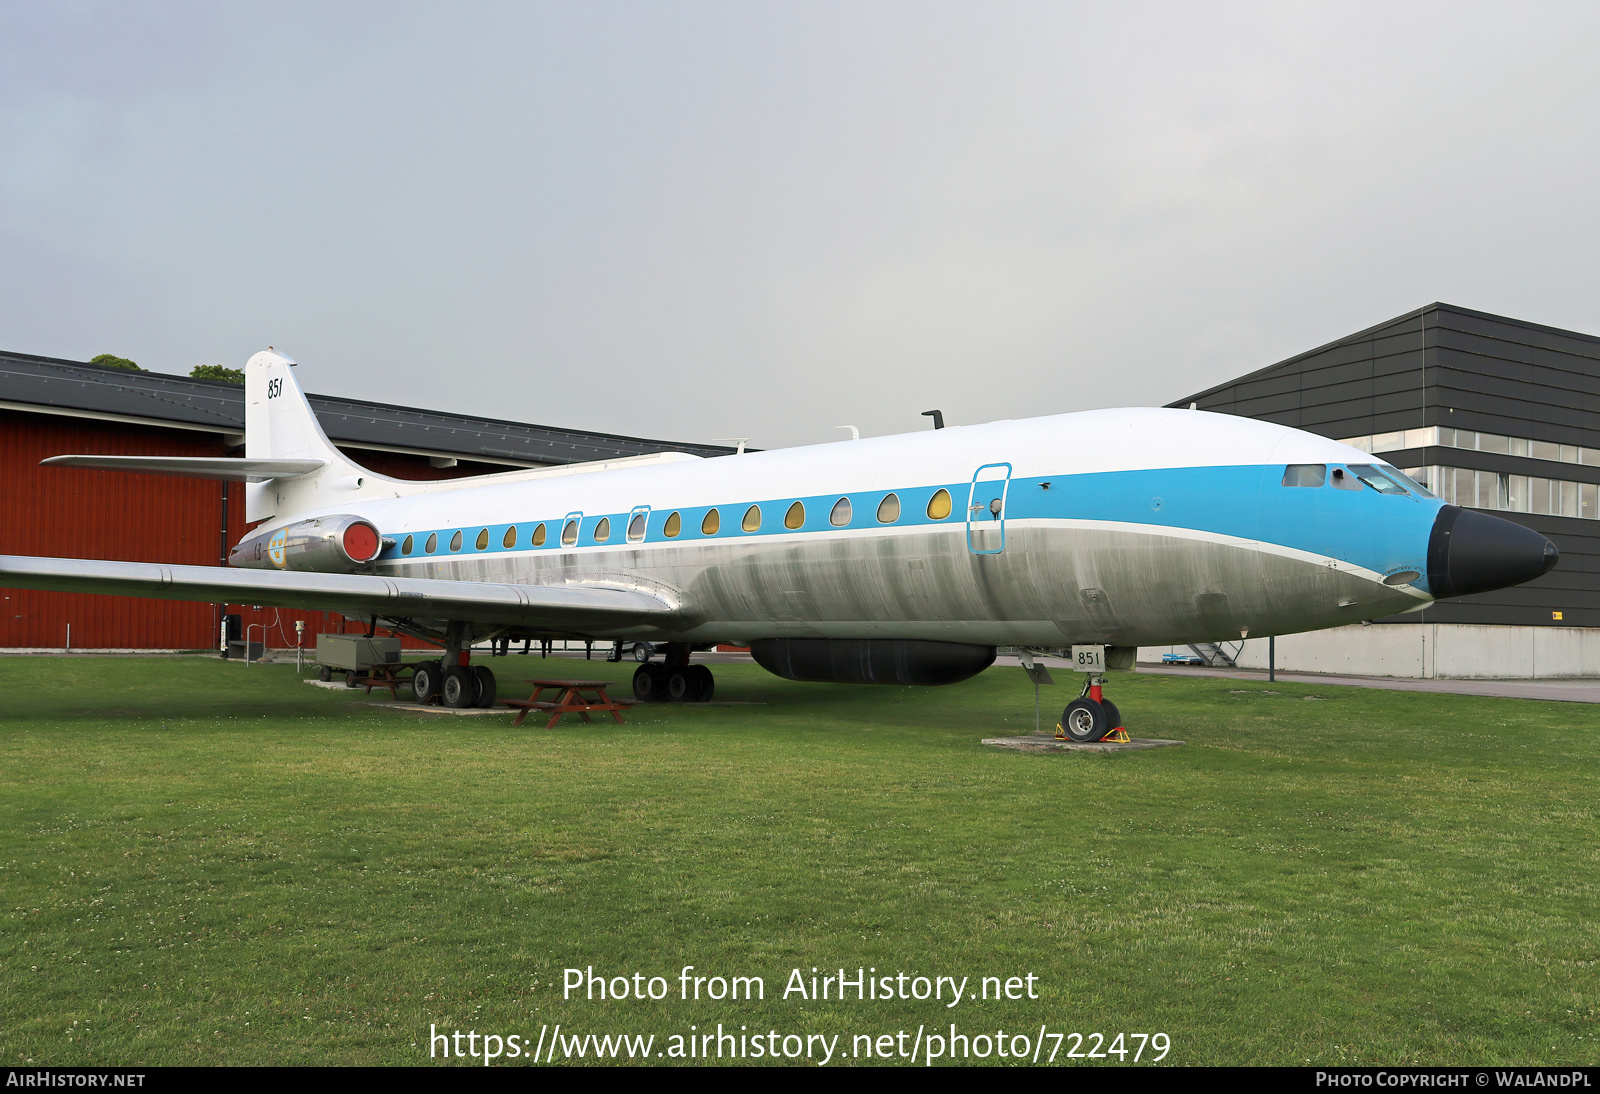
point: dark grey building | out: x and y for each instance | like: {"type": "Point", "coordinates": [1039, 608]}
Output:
{"type": "Point", "coordinates": [1489, 412]}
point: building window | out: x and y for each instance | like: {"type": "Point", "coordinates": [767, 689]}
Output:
{"type": "Point", "coordinates": [483, 539]}
{"type": "Point", "coordinates": [1305, 474]}
{"type": "Point", "coordinates": [841, 513]}
{"type": "Point", "coordinates": [1473, 441]}
{"type": "Point", "coordinates": [752, 519]}
{"type": "Point", "coordinates": [1512, 493]}
{"type": "Point", "coordinates": [889, 509]}
{"type": "Point", "coordinates": [509, 540]}
{"type": "Point", "coordinates": [455, 542]}
{"type": "Point", "coordinates": [602, 531]}
{"type": "Point", "coordinates": [405, 548]}
{"type": "Point", "coordinates": [673, 526]}
{"type": "Point", "coordinates": [795, 517]}
{"type": "Point", "coordinates": [939, 505]}
{"type": "Point", "coordinates": [710, 524]}
{"type": "Point", "coordinates": [433, 543]}
{"type": "Point", "coordinates": [1538, 494]}
{"type": "Point", "coordinates": [538, 535]}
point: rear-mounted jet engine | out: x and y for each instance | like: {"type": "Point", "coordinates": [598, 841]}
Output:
{"type": "Point", "coordinates": [330, 545]}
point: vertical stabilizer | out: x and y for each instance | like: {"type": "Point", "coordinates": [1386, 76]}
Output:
{"type": "Point", "coordinates": [279, 424]}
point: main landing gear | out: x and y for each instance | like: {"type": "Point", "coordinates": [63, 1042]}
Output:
{"type": "Point", "coordinates": [458, 686]}
{"type": "Point", "coordinates": [451, 681]}
{"type": "Point", "coordinates": [676, 681]}
{"type": "Point", "coordinates": [1091, 716]}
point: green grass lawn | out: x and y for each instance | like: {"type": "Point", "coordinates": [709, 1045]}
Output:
{"type": "Point", "coordinates": [209, 863]}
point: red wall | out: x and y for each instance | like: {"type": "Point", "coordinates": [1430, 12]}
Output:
{"type": "Point", "coordinates": [72, 513]}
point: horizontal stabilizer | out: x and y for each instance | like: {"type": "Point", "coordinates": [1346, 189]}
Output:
{"type": "Point", "coordinates": [578, 609]}
{"type": "Point", "coordinates": [195, 467]}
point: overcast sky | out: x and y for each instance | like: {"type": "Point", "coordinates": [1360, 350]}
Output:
{"type": "Point", "coordinates": [705, 220]}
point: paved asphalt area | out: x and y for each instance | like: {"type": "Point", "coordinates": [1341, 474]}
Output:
{"type": "Point", "coordinates": [1566, 691]}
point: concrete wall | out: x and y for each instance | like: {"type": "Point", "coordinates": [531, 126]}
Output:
{"type": "Point", "coordinates": [1455, 651]}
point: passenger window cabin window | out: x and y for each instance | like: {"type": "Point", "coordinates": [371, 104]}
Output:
{"type": "Point", "coordinates": [1305, 474]}
{"type": "Point", "coordinates": [1376, 479]}
{"type": "Point", "coordinates": [602, 531]}
{"type": "Point", "coordinates": [889, 509]}
{"type": "Point", "coordinates": [509, 540]}
{"type": "Point", "coordinates": [710, 524]}
{"type": "Point", "coordinates": [841, 513]}
{"type": "Point", "coordinates": [569, 534]}
{"type": "Point", "coordinates": [455, 542]}
{"type": "Point", "coordinates": [538, 535]}
{"type": "Point", "coordinates": [433, 543]}
{"type": "Point", "coordinates": [636, 527]}
{"type": "Point", "coordinates": [483, 539]}
{"type": "Point", "coordinates": [1343, 480]}
{"type": "Point", "coordinates": [939, 505]}
{"type": "Point", "coordinates": [405, 548]}
{"type": "Point", "coordinates": [673, 526]}
{"type": "Point", "coordinates": [752, 519]}
{"type": "Point", "coordinates": [795, 517]}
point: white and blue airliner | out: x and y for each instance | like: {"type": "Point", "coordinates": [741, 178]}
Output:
{"type": "Point", "coordinates": [904, 559]}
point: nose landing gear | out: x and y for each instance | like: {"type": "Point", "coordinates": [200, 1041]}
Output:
{"type": "Point", "coordinates": [1091, 716]}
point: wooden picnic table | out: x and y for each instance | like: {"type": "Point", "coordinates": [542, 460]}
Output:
{"type": "Point", "coordinates": [577, 697]}
{"type": "Point", "coordinates": [384, 678]}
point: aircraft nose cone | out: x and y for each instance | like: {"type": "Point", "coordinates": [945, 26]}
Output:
{"type": "Point", "coordinates": [1471, 552]}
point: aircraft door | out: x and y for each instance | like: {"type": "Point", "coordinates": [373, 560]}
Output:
{"type": "Point", "coordinates": [986, 509]}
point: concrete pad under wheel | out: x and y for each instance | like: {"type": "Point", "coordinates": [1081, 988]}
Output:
{"type": "Point", "coordinates": [418, 708]}
{"type": "Point", "coordinates": [1050, 744]}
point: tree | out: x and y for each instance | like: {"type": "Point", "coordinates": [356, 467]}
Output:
{"type": "Point", "coordinates": [218, 372]}
{"type": "Point", "coordinates": [111, 360]}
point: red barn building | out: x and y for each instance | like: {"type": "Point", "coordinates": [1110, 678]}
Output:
{"type": "Point", "coordinates": [51, 407]}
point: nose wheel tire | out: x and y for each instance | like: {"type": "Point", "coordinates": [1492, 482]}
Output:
{"type": "Point", "coordinates": [1084, 720]}
{"type": "Point", "coordinates": [1113, 715]}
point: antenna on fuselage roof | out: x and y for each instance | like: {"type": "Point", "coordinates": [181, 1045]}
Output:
{"type": "Point", "coordinates": [740, 441]}
{"type": "Point", "coordinates": [937, 416]}
{"type": "Point", "coordinates": [1194, 406]}
{"type": "Point", "coordinates": [855, 434]}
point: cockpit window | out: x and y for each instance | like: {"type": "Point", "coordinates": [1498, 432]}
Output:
{"type": "Point", "coordinates": [1344, 480]}
{"type": "Point", "coordinates": [1376, 479]}
{"type": "Point", "coordinates": [1409, 483]}
{"type": "Point", "coordinates": [1304, 474]}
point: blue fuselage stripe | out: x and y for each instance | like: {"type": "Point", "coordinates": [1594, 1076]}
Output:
{"type": "Point", "coordinates": [1379, 532]}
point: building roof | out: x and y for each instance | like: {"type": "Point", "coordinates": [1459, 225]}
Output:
{"type": "Point", "coordinates": [1438, 365]}
{"type": "Point", "coordinates": [54, 386]}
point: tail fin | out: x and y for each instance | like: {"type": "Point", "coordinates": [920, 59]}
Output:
{"type": "Point", "coordinates": [280, 424]}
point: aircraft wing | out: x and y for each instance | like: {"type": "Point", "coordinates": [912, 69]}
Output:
{"type": "Point", "coordinates": [579, 609]}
